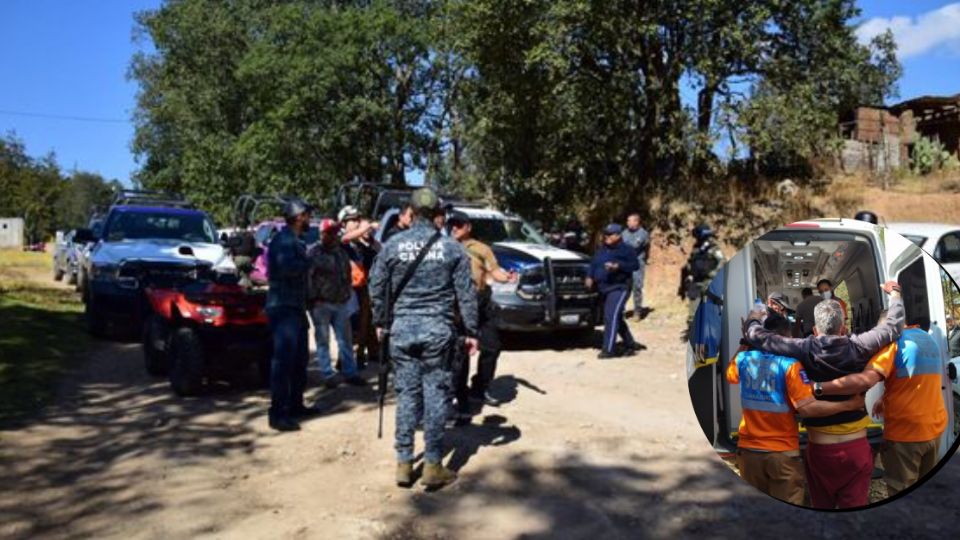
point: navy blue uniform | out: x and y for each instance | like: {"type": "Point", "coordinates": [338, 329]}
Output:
{"type": "Point", "coordinates": [422, 334]}
{"type": "Point", "coordinates": [614, 286]}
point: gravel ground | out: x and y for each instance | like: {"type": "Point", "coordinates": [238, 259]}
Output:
{"type": "Point", "coordinates": [581, 448]}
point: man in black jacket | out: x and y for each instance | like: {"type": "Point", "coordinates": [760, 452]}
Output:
{"type": "Point", "coordinates": [329, 298]}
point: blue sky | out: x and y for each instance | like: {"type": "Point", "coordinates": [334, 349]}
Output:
{"type": "Point", "coordinates": [69, 58]}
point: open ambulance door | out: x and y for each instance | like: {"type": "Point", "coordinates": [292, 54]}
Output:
{"type": "Point", "coordinates": [921, 281]}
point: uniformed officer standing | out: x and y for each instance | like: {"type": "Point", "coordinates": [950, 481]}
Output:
{"type": "Point", "coordinates": [704, 263]}
{"type": "Point", "coordinates": [422, 335]}
{"type": "Point", "coordinates": [611, 270]}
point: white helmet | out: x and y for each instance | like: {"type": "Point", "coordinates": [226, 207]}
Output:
{"type": "Point", "coordinates": [348, 212]}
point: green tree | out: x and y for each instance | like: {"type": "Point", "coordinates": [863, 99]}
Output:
{"type": "Point", "coordinates": [546, 106]}
{"type": "Point", "coordinates": [291, 97]}
{"type": "Point", "coordinates": [31, 188]}
{"type": "Point", "coordinates": [81, 193]}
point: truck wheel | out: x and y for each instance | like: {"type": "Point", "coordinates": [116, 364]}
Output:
{"type": "Point", "coordinates": [584, 337]}
{"type": "Point", "coordinates": [155, 346]}
{"type": "Point", "coordinates": [186, 362]}
{"type": "Point", "coordinates": [96, 324]}
{"type": "Point", "coordinates": [57, 272]}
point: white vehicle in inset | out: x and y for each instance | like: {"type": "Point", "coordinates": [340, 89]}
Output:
{"type": "Point", "coordinates": [941, 241]}
{"type": "Point", "coordinates": [857, 257]}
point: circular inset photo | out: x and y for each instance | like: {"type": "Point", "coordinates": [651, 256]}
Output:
{"type": "Point", "coordinates": [822, 362]}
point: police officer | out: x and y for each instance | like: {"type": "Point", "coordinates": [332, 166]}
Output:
{"type": "Point", "coordinates": [422, 335]}
{"type": "Point", "coordinates": [704, 263]}
{"type": "Point", "coordinates": [288, 267]}
{"type": "Point", "coordinates": [611, 269]}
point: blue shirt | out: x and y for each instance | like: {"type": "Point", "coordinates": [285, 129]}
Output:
{"type": "Point", "coordinates": [610, 280]}
{"type": "Point", "coordinates": [287, 270]}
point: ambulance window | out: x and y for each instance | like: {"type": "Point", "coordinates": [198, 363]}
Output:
{"type": "Point", "coordinates": [913, 283]}
{"type": "Point", "coordinates": [948, 248]}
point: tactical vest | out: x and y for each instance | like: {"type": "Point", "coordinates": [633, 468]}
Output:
{"type": "Point", "coordinates": [703, 263]}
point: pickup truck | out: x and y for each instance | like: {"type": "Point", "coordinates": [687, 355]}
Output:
{"type": "Point", "coordinates": [147, 239]}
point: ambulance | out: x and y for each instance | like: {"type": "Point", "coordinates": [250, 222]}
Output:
{"type": "Point", "coordinates": [857, 257]}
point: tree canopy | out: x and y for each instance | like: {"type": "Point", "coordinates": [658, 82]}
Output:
{"type": "Point", "coordinates": [542, 105]}
{"type": "Point", "coordinates": [47, 198]}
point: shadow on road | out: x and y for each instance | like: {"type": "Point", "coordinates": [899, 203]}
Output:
{"type": "Point", "coordinates": [115, 431]}
{"type": "Point", "coordinates": [573, 497]}
{"type": "Point", "coordinates": [466, 441]}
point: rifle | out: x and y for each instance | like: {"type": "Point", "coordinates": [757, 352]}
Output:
{"type": "Point", "coordinates": [384, 371]}
{"type": "Point", "coordinates": [383, 374]}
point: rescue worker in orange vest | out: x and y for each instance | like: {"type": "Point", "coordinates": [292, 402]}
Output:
{"type": "Point", "coordinates": [838, 460]}
{"type": "Point", "coordinates": [912, 405]}
{"type": "Point", "coordinates": [773, 390]}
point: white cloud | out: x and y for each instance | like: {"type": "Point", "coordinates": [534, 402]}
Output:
{"type": "Point", "coordinates": [917, 35]}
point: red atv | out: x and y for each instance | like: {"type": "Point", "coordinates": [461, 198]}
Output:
{"type": "Point", "coordinates": [206, 330]}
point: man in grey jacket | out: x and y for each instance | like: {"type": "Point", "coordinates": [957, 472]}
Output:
{"type": "Point", "coordinates": [638, 238]}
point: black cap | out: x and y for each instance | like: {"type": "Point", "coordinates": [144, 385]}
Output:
{"type": "Point", "coordinates": [459, 217]}
{"type": "Point", "coordinates": [702, 231]}
{"type": "Point", "coordinates": [295, 207]}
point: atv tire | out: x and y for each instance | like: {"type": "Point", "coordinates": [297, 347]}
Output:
{"type": "Point", "coordinates": [57, 272]}
{"type": "Point", "coordinates": [72, 279]}
{"type": "Point", "coordinates": [156, 346]}
{"type": "Point", "coordinates": [186, 362]}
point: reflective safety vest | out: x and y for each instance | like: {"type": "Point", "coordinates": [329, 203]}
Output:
{"type": "Point", "coordinates": [763, 381]}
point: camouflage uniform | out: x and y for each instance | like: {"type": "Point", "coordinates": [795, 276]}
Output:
{"type": "Point", "coordinates": [422, 336]}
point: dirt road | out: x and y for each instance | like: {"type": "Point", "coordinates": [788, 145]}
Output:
{"type": "Point", "coordinates": [582, 448]}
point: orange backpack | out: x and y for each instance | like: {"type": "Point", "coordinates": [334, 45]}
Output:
{"type": "Point", "coordinates": [358, 274]}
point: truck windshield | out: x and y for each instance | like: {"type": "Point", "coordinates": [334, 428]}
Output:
{"type": "Point", "coordinates": [162, 226]}
{"type": "Point", "coordinates": [489, 230]}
